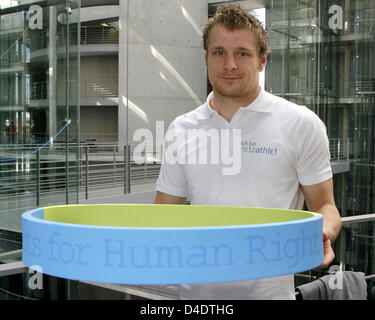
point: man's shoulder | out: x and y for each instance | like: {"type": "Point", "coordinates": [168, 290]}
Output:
{"type": "Point", "coordinates": [293, 110]}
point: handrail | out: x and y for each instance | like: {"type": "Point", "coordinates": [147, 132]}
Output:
{"type": "Point", "coordinates": [12, 268]}
{"type": "Point", "coordinates": [357, 219]}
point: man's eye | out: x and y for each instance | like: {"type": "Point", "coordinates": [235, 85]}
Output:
{"type": "Point", "coordinates": [219, 53]}
{"type": "Point", "coordinates": [242, 54]}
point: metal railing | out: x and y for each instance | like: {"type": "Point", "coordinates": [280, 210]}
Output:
{"type": "Point", "coordinates": [41, 179]}
{"type": "Point", "coordinates": [89, 35]}
{"type": "Point", "coordinates": [352, 232]}
{"type": "Point", "coordinates": [101, 88]}
{"type": "Point", "coordinates": [104, 167]}
{"type": "Point", "coordinates": [39, 90]}
{"type": "Point", "coordinates": [33, 181]}
{"type": "Point", "coordinates": [95, 168]}
{"type": "Point", "coordinates": [14, 60]}
{"type": "Point", "coordinates": [93, 138]}
{"type": "Point", "coordinates": [365, 85]}
{"type": "Point", "coordinates": [99, 35]}
{"type": "Point", "coordinates": [94, 88]}
{"type": "Point", "coordinates": [339, 149]}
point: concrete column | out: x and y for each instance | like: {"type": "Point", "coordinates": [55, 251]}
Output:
{"type": "Point", "coordinates": [123, 74]}
{"type": "Point", "coordinates": [161, 71]}
{"type": "Point", "coordinates": [52, 71]}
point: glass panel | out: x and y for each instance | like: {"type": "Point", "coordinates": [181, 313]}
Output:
{"type": "Point", "coordinates": [355, 247]}
{"type": "Point", "coordinates": [331, 70]}
{"type": "Point", "coordinates": [38, 93]}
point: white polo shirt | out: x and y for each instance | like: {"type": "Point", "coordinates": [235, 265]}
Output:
{"type": "Point", "coordinates": [281, 146]}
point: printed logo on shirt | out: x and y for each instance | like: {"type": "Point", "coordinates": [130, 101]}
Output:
{"type": "Point", "coordinates": [252, 147]}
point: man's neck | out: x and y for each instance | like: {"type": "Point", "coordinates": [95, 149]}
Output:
{"type": "Point", "coordinates": [227, 107]}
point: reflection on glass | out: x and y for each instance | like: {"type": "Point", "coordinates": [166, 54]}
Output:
{"type": "Point", "coordinates": [36, 99]}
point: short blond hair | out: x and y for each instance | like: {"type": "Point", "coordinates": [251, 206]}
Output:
{"type": "Point", "coordinates": [233, 17]}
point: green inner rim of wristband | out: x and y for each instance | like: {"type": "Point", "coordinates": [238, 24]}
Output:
{"type": "Point", "coordinates": [169, 216]}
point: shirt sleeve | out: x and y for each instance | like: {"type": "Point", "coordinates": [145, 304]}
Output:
{"type": "Point", "coordinates": [313, 162]}
{"type": "Point", "coordinates": [172, 179]}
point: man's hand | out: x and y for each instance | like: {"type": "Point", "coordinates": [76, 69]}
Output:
{"type": "Point", "coordinates": [319, 198]}
{"type": "Point", "coordinates": [329, 255]}
{"type": "Point", "coordinates": [164, 198]}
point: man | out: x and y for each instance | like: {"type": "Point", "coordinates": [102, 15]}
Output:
{"type": "Point", "coordinates": [284, 149]}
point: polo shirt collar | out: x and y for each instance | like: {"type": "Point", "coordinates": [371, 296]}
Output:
{"type": "Point", "coordinates": [262, 103]}
{"type": "Point", "coordinates": [206, 110]}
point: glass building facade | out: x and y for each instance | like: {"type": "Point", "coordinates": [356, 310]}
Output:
{"type": "Point", "coordinates": [322, 56]}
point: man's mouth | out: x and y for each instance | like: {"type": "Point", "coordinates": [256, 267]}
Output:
{"type": "Point", "coordinates": [230, 78]}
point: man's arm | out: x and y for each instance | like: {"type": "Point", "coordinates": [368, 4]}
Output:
{"type": "Point", "coordinates": [320, 199]}
{"type": "Point", "coordinates": [164, 198]}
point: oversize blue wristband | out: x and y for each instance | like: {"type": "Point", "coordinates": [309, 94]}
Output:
{"type": "Point", "coordinates": [170, 244]}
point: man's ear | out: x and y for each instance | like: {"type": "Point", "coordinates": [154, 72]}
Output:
{"type": "Point", "coordinates": [263, 61]}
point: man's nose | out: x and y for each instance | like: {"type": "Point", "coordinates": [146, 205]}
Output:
{"type": "Point", "coordinates": [230, 62]}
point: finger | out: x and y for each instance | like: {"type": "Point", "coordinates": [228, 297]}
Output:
{"type": "Point", "coordinates": [328, 258]}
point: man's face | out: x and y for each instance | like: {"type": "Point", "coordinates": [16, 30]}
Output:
{"type": "Point", "coordinates": [233, 62]}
